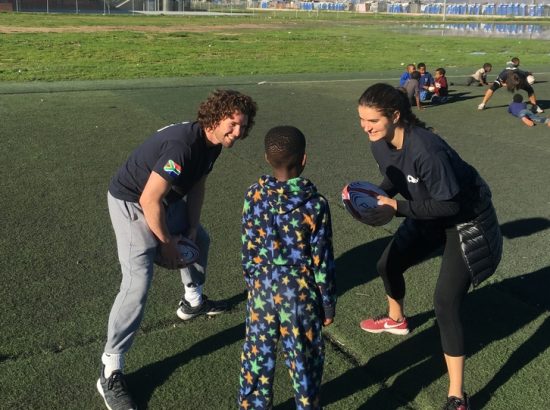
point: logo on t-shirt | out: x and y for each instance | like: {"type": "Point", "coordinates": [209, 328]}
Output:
{"type": "Point", "coordinates": [172, 168]}
{"type": "Point", "coordinates": [412, 179]}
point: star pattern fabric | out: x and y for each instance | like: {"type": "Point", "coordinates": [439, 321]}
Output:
{"type": "Point", "coordinates": [288, 266]}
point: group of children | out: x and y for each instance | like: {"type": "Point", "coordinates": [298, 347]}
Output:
{"type": "Point", "coordinates": [422, 87]}
{"type": "Point", "coordinates": [513, 79]}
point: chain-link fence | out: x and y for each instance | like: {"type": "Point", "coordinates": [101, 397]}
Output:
{"type": "Point", "coordinates": [529, 8]}
{"type": "Point", "coordinates": [122, 6]}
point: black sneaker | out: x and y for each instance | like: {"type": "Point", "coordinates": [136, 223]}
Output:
{"type": "Point", "coordinates": [114, 391]}
{"type": "Point", "coordinates": [537, 110]}
{"type": "Point", "coordinates": [456, 403]}
{"type": "Point", "coordinates": [207, 307]}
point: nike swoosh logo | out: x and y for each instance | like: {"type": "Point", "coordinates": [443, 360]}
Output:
{"type": "Point", "coordinates": [388, 326]}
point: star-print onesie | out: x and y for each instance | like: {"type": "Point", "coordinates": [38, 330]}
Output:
{"type": "Point", "coordinates": [288, 267]}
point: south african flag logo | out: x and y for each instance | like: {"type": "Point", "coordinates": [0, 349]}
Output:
{"type": "Point", "coordinates": [173, 169]}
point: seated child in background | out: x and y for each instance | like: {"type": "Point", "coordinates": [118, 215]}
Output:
{"type": "Point", "coordinates": [412, 88]}
{"type": "Point", "coordinates": [288, 267]}
{"type": "Point", "coordinates": [513, 65]}
{"type": "Point", "coordinates": [426, 81]}
{"type": "Point", "coordinates": [480, 76]}
{"type": "Point", "coordinates": [519, 109]}
{"type": "Point", "coordinates": [441, 89]}
{"type": "Point", "coordinates": [406, 75]}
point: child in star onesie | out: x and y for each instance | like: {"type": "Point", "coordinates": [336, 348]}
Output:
{"type": "Point", "coordinates": [288, 267]}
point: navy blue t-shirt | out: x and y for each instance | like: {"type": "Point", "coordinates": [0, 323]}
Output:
{"type": "Point", "coordinates": [504, 74]}
{"type": "Point", "coordinates": [177, 152]}
{"type": "Point", "coordinates": [425, 169]}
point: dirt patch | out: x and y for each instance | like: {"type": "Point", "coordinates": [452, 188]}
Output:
{"type": "Point", "coordinates": [147, 29]}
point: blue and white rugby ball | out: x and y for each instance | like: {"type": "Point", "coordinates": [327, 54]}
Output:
{"type": "Point", "coordinates": [360, 196]}
{"type": "Point", "coordinates": [189, 253]}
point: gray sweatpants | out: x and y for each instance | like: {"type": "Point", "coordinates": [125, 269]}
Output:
{"type": "Point", "coordinates": [137, 247]}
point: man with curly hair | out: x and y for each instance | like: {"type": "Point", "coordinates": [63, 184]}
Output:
{"type": "Point", "coordinates": [154, 199]}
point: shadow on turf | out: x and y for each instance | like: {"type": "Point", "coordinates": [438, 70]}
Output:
{"type": "Point", "coordinates": [420, 352]}
{"type": "Point", "coordinates": [532, 289]}
{"type": "Point", "coordinates": [544, 104]}
{"type": "Point", "coordinates": [418, 359]}
{"type": "Point", "coordinates": [454, 98]}
{"type": "Point", "coordinates": [148, 378]}
{"type": "Point", "coordinates": [524, 227]}
{"type": "Point", "coordinates": [462, 96]}
{"type": "Point", "coordinates": [358, 265]}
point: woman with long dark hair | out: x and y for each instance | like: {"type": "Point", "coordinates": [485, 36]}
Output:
{"type": "Point", "coordinates": [445, 204]}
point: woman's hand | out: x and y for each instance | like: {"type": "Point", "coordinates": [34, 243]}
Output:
{"type": "Point", "coordinates": [382, 214]}
{"type": "Point", "coordinates": [384, 200]}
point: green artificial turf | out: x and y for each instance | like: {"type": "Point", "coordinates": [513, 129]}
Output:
{"type": "Point", "coordinates": [62, 141]}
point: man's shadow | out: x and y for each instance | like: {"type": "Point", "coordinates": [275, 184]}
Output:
{"type": "Point", "coordinates": [145, 380]}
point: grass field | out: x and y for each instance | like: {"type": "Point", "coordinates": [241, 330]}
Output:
{"type": "Point", "coordinates": [73, 47]}
{"type": "Point", "coordinates": [61, 142]}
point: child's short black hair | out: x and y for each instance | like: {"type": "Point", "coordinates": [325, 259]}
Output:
{"type": "Point", "coordinates": [441, 70]}
{"type": "Point", "coordinates": [415, 75]}
{"type": "Point", "coordinates": [487, 66]}
{"type": "Point", "coordinates": [421, 65]}
{"type": "Point", "coordinates": [517, 98]}
{"type": "Point", "coordinates": [285, 146]}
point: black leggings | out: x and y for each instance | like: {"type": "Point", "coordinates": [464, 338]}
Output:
{"type": "Point", "coordinates": [413, 242]}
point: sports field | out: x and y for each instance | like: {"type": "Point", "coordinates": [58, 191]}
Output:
{"type": "Point", "coordinates": [62, 141]}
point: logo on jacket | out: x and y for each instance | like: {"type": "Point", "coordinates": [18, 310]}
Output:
{"type": "Point", "coordinates": [412, 179]}
{"type": "Point", "coordinates": [172, 168]}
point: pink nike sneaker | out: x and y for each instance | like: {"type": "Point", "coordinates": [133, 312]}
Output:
{"type": "Point", "coordinates": [383, 323]}
{"type": "Point", "coordinates": [457, 403]}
